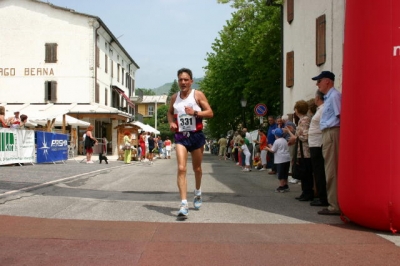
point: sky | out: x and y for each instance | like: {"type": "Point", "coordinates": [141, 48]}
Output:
{"type": "Point", "coordinates": [162, 36]}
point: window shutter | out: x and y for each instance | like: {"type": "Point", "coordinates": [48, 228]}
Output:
{"type": "Point", "coordinates": [290, 69]}
{"type": "Point", "coordinates": [118, 66]}
{"type": "Point", "coordinates": [46, 91]}
{"type": "Point", "coordinates": [112, 69]}
{"type": "Point", "coordinates": [290, 11]}
{"type": "Point", "coordinates": [321, 40]}
{"type": "Point", "coordinates": [97, 57]}
{"type": "Point", "coordinates": [97, 93]}
{"type": "Point", "coordinates": [53, 93]}
{"type": "Point", "coordinates": [106, 97]}
{"type": "Point", "coordinates": [106, 63]}
{"type": "Point", "coordinates": [50, 53]}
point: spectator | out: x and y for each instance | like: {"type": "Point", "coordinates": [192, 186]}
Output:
{"type": "Point", "coordinates": [317, 159]}
{"type": "Point", "coordinates": [271, 139]}
{"type": "Point", "coordinates": [280, 149]}
{"type": "Point", "coordinates": [222, 142]}
{"type": "Point", "coordinates": [330, 127]}
{"type": "Point", "coordinates": [303, 160]}
{"type": "Point", "coordinates": [3, 122]}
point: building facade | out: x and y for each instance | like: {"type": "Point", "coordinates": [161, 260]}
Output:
{"type": "Point", "coordinates": [313, 38]}
{"type": "Point", "coordinates": [57, 59]}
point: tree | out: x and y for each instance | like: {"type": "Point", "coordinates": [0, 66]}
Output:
{"type": "Point", "coordinates": [245, 63]}
{"type": "Point", "coordinates": [174, 88]}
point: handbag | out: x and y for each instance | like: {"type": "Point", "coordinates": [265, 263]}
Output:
{"type": "Point", "coordinates": [299, 168]}
{"type": "Point", "coordinates": [126, 147]}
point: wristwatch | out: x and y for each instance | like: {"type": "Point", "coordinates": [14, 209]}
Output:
{"type": "Point", "coordinates": [195, 113]}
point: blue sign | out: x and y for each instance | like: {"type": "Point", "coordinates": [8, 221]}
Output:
{"type": "Point", "coordinates": [51, 147]}
{"type": "Point", "coordinates": [260, 109]}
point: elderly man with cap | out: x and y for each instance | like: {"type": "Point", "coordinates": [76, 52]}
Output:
{"type": "Point", "coordinates": [15, 121]}
{"type": "Point", "coordinates": [330, 125]}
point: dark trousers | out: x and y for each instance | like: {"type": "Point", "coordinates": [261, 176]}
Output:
{"type": "Point", "coordinates": [236, 154]}
{"type": "Point", "coordinates": [307, 180]}
{"type": "Point", "coordinates": [318, 166]}
{"type": "Point", "coordinates": [272, 164]}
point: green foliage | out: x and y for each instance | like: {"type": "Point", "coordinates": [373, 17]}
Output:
{"type": "Point", "coordinates": [245, 62]}
{"type": "Point", "coordinates": [162, 121]}
{"type": "Point", "coordinates": [174, 89]}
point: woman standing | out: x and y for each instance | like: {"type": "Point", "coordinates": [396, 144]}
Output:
{"type": "Point", "coordinates": [152, 145]}
{"type": "Point", "coordinates": [3, 122]}
{"type": "Point", "coordinates": [90, 141]}
{"type": "Point", "coordinates": [303, 157]}
{"type": "Point", "coordinates": [142, 145]}
{"type": "Point", "coordinates": [127, 144]}
{"type": "Point", "coordinates": [262, 142]}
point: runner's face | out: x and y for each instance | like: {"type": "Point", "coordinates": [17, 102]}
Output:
{"type": "Point", "coordinates": [184, 81]}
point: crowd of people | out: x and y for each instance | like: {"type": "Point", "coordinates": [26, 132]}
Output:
{"type": "Point", "coordinates": [17, 121]}
{"type": "Point", "coordinates": [304, 149]}
{"type": "Point", "coordinates": [149, 147]}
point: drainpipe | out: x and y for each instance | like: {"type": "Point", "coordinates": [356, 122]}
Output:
{"type": "Point", "coordinates": [272, 3]}
{"type": "Point", "coordinates": [95, 58]}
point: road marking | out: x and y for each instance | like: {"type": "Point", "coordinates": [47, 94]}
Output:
{"type": "Point", "coordinates": [55, 181]}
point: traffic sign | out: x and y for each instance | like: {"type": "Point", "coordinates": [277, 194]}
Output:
{"type": "Point", "coordinates": [260, 109]}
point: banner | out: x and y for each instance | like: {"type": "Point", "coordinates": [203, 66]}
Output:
{"type": "Point", "coordinates": [51, 147]}
{"type": "Point", "coordinates": [17, 146]}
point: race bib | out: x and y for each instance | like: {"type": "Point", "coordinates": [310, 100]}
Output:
{"type": "Point", "coordinates": [186, 123]}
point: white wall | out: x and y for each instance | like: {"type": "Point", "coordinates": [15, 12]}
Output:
{"type": "Point", "coordinates": [300, 37]}
{"type": "Point", "coordinates": [26, 33]}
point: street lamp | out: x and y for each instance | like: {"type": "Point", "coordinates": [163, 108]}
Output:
{"type": "Point", "coordinates": [243, 102]}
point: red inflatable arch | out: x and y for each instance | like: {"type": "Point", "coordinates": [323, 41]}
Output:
{"type": "Point", "coordinates": [369, 158]}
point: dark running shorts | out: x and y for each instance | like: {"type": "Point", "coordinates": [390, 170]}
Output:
{"type": "Point", "coordinates": [191, 140]}
{"type": "Point", "coordinates": [283, 170]}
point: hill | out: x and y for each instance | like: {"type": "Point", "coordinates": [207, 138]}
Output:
{"type": "Point", "coordinates": [164, 89]}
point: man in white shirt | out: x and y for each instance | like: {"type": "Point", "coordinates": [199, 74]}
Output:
{"type": "Point", "coordinates": [317, 159]}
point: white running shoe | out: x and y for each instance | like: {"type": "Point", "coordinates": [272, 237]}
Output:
{"type": "Point", "coordinates": [183, 210]}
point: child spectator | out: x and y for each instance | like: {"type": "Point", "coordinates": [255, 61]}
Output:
{"type": "Point", "coordinates": [246, 152]}
{"type": "Point", "coordinates": [280, 149]}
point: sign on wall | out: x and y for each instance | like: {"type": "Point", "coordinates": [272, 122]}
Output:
{"type": "Point", "coordinates": [17, 146]}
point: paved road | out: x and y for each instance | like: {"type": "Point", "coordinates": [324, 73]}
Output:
{"type": "Point", "coordinates": [116, 214]}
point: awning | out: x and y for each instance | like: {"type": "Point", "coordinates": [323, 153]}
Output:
{"type": "Point", "coordinates": [121, 92]}
{"type": "Point", "coordinates": [146, 128]}
{"type": "Point", "coordinates": [69, 120]}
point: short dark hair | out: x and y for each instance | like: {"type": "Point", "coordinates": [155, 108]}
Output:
{"type": "Point", "coordinates": [23, 117]}
{"type": "Point", "coordinates": [185, 70]}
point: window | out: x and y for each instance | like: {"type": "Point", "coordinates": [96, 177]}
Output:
{"type": "Point", "coordinates": [97, 93]}
{"type": "Point", "coordinates": [123, 75]}
{"type": "Point", "coordinates": [106, 97]}
{"type": "Point", "coordinates": [290, 11]}
{"type": "Point", "coordinates": [50, 91]}
{"type": "Point", "coordinates": [321, 40]}
{"type": "Point", "coordinates": [106, 63]}
{"type": "Point", "coordinates": [290, 69]}
{"type": "Point", "coordinates": [150, 110]}
{"type": "Point", "coordinates": [50, 53]}
{"type": "Point", "coordinates": [112, 68]}
{"type": "Point", "coordinates": [118, 67]}
{"type": "Point", "coordinates": [97, 57]}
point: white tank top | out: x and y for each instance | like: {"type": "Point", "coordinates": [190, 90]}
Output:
{"type": "Point", "coordinates": [184, 121]}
